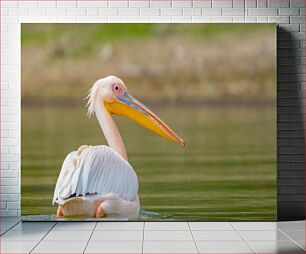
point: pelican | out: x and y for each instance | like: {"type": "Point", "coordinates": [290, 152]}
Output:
{"type": "Point", "coordinates": [98, 180]}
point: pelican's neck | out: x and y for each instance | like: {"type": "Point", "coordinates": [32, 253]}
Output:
{"type": "Point", "coordinates": [110, 130]}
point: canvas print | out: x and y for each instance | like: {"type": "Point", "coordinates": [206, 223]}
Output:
{"type": "Point", "coordinates": [148, 122]}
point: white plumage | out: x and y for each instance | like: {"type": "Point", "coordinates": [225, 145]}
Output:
{"type": "Point", "coordinates": [97, 170]}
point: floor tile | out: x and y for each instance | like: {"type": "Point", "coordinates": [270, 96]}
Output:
{"type": "Point", "coordinates": [291, 225]}
{"type": "Point", "coordinates": [252, 226]}
{"type": "Point", "coordinates": [301, 243]}
{"type": "Point", "coordinates": [3, 230]}
{"type": "Point", "coordinates": [211, 226]}
{"type": "Point", "coordinates": [166, 226]}
{"type": "Point", "coordinates": [69, 236]}
{"type": "Point", "coordinates": [223, 247]}
{"type": "Point", "coordinates": [101, 236]}
{"type": "Point", "coordinates": [114, 247]}
{"type": "Point", "coordinates": [276, 247]}
{"type": "Point", "coordinates": [216, 236]}
{"type": "Point", "coordinates": [119, 226]}
{"type": "Point", "coordinates": [5, 226]}
{"type": "Point", "coordinates": [60, 247]}
{"type": "Point", "coordinates": [23, 236]}
{"type": "Point", "coordinates": [169, 247]}
{"type": "Point", "coordinates": [258, 235]}
{"type": "Point", "coordinates": [17, 247]}
{"type": "Point", "coordinates": [167, 235]}
{"type": "Point", "coordinates": [296, 235]}
{"type": "Point", "coordinates": [273, 223]}
{"type": "Point", "coordinates": [33, 226]}
{"type": "Point", "coordinates": [63, 226]}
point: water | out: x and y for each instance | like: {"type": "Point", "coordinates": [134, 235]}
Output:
{"type": "Point", "coordinates": [226, 172]}
{"type": "Point", "coordinates": [143, 216]}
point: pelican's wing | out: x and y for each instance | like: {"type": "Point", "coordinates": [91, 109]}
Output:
{"type": "Point", "coordinates": [98, 170]}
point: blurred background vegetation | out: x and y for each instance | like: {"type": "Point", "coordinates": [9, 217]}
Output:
{"type": "Point", "coordinates": [214, 84]}
{"type": "Point", "coordinates": [191, 62]}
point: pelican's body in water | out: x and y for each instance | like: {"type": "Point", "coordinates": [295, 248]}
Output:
{"type": "Point", "coordinates": [98, 180]}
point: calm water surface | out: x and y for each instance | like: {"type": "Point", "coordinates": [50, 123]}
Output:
{"type": "Point", "coordinates": [226, 172]}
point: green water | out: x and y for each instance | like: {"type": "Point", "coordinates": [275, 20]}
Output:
{"type": "Point", "coordinates": [226, 172]}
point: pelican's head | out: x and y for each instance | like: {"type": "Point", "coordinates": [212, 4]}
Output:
{"type": "Point", "coordinates": [113, 93]}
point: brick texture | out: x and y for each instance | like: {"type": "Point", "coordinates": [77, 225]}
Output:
{"type": "Point", "coordinates": [289, 14]}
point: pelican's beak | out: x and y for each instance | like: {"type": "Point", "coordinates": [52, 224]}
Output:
{"type": "Point", "coordinates": [128, 106]}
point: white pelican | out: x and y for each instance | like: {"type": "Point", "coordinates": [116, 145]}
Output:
{"type": "Point", "coordinates": [98, 180]}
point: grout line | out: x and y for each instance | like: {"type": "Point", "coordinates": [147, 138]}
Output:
{"type": "Point", "coordinates": [143, 229]}
{"type": "Point", "coordinates": [90, 236]}
{"type": "Point", "coordinates": [273, 225]}
{"type": "Point", "coordinates": [233, 226]}
{"type": "Point", "coordinates": [193, 238]}
{"type": "Point", "coordinates": [16, 223]}
{"type": "Point", "coordinates": [290, 238]}
{"type": "Point", "coordinates": [42, 238]}
{"type": "Point", "coordinates": [247, 243]}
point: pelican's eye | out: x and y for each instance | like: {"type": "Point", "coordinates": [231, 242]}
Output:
{"type": "Point", "coordinates": [117, 89]}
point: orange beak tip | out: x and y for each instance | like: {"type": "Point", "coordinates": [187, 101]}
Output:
{"type": "Point", "coordinates": [183, 144]}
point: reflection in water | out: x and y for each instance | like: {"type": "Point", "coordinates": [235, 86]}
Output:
{"type": "Point", "coordinates": [226, 172]}
{"type": "Point", "coordinates": [143, 216]}
{"type": "Point", "coordinates": [147, 215]}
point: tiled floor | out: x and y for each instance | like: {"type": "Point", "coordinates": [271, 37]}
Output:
{"type": "Point", "coordinates": [152, 237]}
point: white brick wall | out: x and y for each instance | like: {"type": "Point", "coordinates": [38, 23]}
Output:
{"type": "Point", "coordinates": [288, 13]}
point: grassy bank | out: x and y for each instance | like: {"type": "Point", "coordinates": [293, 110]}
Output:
{"type": "Point", "coordinates": [165, 62]}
